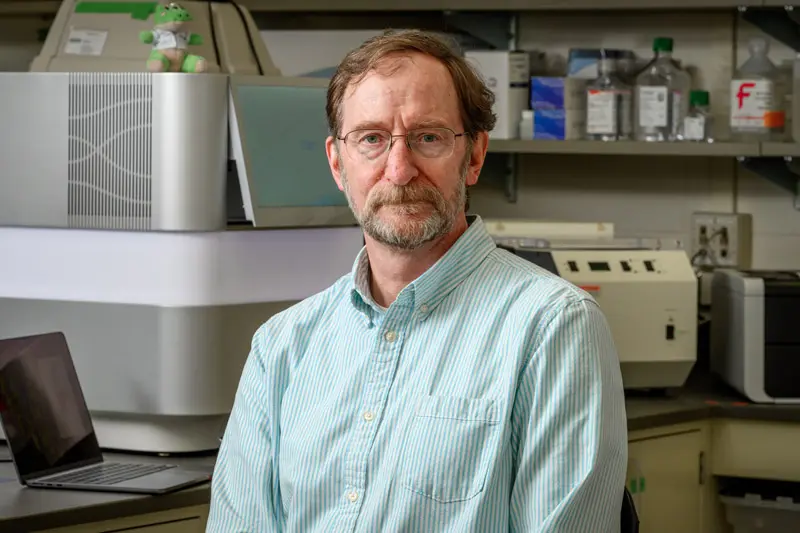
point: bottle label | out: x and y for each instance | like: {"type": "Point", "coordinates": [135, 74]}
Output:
{"type": "Point", "coordinates": [753, 105]}
{"type": "Point", "coordinates": [601, 112]}
{"type": "Point", "coordinates": [653, 107]}
{"type": "Point", "coordinates": [694, 128]}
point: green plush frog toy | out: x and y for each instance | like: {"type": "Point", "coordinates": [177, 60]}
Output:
{"type": "Point", "coordinates": [170, 43]}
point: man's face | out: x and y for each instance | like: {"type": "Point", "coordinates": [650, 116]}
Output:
{"type": "Point", "coordinates": [404, 197]}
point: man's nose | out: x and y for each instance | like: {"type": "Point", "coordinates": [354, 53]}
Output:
{"type": "Point", "coordinates": [400, 167]}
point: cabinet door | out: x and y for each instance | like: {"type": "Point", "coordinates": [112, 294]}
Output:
{"type": "Point", "coordinates": [664, 478]}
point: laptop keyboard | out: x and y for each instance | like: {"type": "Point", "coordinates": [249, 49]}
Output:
{"type": "Point", "coordinates": [107, 473]}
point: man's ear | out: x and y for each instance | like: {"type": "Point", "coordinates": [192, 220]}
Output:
{"type": "Point", "coordinates": [480, 145]}
{"type": "Point", "coordinates": [334, 161]}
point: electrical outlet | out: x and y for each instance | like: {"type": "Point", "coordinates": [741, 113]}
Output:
{"type": "Point", "coordinates": [722, 240]}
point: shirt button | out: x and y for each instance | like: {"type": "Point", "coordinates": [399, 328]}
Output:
{"type": "Point", "coordinates": [352, 496]}
{"type": "Point", "coordinates": [423, 308]}
{"type": "Point", "coordinates": [369, 416]}
{"type": "Point", "coordinates": [390, 336]}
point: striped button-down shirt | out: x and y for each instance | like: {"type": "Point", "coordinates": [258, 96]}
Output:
{"type": "Point", "coordinates": [488, 397]}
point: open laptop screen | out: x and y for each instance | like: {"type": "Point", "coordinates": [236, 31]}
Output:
{"type": "Point", "coordinates": [44, 413]}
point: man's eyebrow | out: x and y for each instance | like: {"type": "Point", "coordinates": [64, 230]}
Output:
{"type": "Point", "coordinates": [424, 123]}
{"type": "Point", "coordinates": [430, 123]}
{"type": "Point", "coordinates": [369, 126]}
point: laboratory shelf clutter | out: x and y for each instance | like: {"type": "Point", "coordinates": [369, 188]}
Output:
{"type": "Point", "coordinates": [587, 147]}
{"type": "Point", "coordinates": [271, 6]}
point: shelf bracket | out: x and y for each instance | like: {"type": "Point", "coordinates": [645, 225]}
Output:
{"type": "Point", "coordinates": [781, 23]}
{"type": "Point", "coordinates": [500, 171]}
{"type": "Point", "coordinates": [511, 185]}
{"type": "Point", "coordinates": [778, 170]}
{"type": "Point", "coordinates": [492, 29]}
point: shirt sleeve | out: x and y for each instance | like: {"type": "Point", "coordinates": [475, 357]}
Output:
{"type": "Point", "coordinates": [245, 494]}
{"type": "Point", "coordinates": [569, 429]}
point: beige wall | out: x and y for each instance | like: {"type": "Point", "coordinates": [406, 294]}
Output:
{"type": "Point", "coordinates": [641, 195]}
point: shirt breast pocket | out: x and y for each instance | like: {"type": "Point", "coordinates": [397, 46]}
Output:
{"type": "Point", "coordinates": [450, 447]}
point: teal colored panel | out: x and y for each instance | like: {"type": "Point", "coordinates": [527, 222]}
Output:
{"type": "Point", "coordinates": [284, 131]}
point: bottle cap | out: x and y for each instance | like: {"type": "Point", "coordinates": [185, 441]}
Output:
{"type": "Point", "coordinates": [698, 98]}
{"type": "Point", "coordinates": [662, 44]}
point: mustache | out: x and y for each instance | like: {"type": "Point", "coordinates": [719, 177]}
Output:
{"type": "Point", "coordinates": [403, 194]}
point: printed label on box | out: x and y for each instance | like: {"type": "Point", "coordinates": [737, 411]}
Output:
{"type": "Point", "coordinates": [86, 42]}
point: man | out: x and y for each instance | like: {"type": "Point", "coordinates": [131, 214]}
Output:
{"type": "Point", "coordinates": [444, 384]}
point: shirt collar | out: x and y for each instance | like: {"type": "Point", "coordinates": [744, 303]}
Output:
{"type": "Point", "coordinates": [428, 290]}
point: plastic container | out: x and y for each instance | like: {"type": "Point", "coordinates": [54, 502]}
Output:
{"type": "Point", "coordinates": [754, 514]}
{"type": "Point", "coordinates": [661, 96]}
{"type": "Point", "coordinates": [758, 100]}
{"type": "Point", "coordinates": [526, 125]}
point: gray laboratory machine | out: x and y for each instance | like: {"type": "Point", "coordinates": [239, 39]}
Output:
{"type": "Point", "coordinates": [649, 298]}
{"type": "Point", "coordinates": [755, 339]}
{"type": "Point", "coordinates": [159, 219]}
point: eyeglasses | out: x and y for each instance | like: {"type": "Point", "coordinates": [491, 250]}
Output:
{"type": "Point", "coordinates": [430, 143]}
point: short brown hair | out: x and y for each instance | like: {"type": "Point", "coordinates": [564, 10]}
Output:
{"type": "Point", "coordinates": [474, 97]}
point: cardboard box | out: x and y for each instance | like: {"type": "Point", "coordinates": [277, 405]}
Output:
{"type": "Point", "coordinates": [508, 75]}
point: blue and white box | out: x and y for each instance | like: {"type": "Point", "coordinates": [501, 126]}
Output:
{"type": "Point", "coordinates": [558, 93]}
{"type": "Point", "coordinates": [558, 124]}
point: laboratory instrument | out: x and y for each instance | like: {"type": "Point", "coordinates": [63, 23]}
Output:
{"type": "Point", "coordinates": [158, 219]}
{"type": "Point", "coordinates": [649, 298]}
{"type": "Point", "coordinates": [755, 340]}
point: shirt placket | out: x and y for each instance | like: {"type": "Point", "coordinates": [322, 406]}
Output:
{"type": "Point", "coordinates": [390, 335]}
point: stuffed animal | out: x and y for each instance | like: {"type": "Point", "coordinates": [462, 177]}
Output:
{"type": "Point", "coordinates": [170, 43]}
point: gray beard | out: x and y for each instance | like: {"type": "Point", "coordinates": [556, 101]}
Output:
{"type": "Point", "coordinates": [412, 234]}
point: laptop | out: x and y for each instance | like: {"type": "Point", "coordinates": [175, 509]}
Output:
{"type": "Point", "coordinates": [50, 433]}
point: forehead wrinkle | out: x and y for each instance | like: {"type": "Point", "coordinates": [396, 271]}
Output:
{"type": "Point", "coordinates": [412, 95]}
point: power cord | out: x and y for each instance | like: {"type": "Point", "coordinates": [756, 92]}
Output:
{"type": "Point", "coordinates": [706, 251]}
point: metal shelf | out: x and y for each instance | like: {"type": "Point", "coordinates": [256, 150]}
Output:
{"type": "Point", "coordinates": [780, 149]}
{"type": "Point", "coordinates": [488, 5]}
{"type": "Point", "coordinates": [30, 7]}
{"type": "Point", "coordinates": [719, 149]}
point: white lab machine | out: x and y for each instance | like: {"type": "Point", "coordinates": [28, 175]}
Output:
{"type": "Point", "coordinates": [649, 298]}
{"type": "Point", "coordinates": [159, 219]}
{"type": "Point", "coordinates": [755, 341]}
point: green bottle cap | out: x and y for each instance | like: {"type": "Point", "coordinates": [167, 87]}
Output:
{"type": "Point", "coordinates": [698, 98]}
{"type": "Point", "coordinates": [662, 44]}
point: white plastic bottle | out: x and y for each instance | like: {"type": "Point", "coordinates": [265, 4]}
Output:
{"type": "Point", "coordinates": [661, 96]}
{"type": "Point", "coordinates": [757, 97]}
{"type": "Point", "coordinates": [698, 123]}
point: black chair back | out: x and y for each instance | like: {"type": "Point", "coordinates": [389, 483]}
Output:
{"type": "Point", "coordinates": [630, 518]}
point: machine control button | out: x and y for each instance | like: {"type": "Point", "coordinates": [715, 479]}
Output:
{"type": "Point", "coordinates": [573, 266]}
{"type": "Point", "coordinates": [670, 332]}
{"type": "Point", "coordinates": [626, 266]}
{"type": "Point", "coordinates": [649, 266]}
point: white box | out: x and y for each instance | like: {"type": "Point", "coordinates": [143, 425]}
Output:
{"type": "Point", "coordinates": [508, 76]}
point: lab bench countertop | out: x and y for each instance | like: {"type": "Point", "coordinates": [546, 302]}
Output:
{"type": "Point", "coordinates": [24, 509]}
{"type": "Point", "coordinates": [703, 397]}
